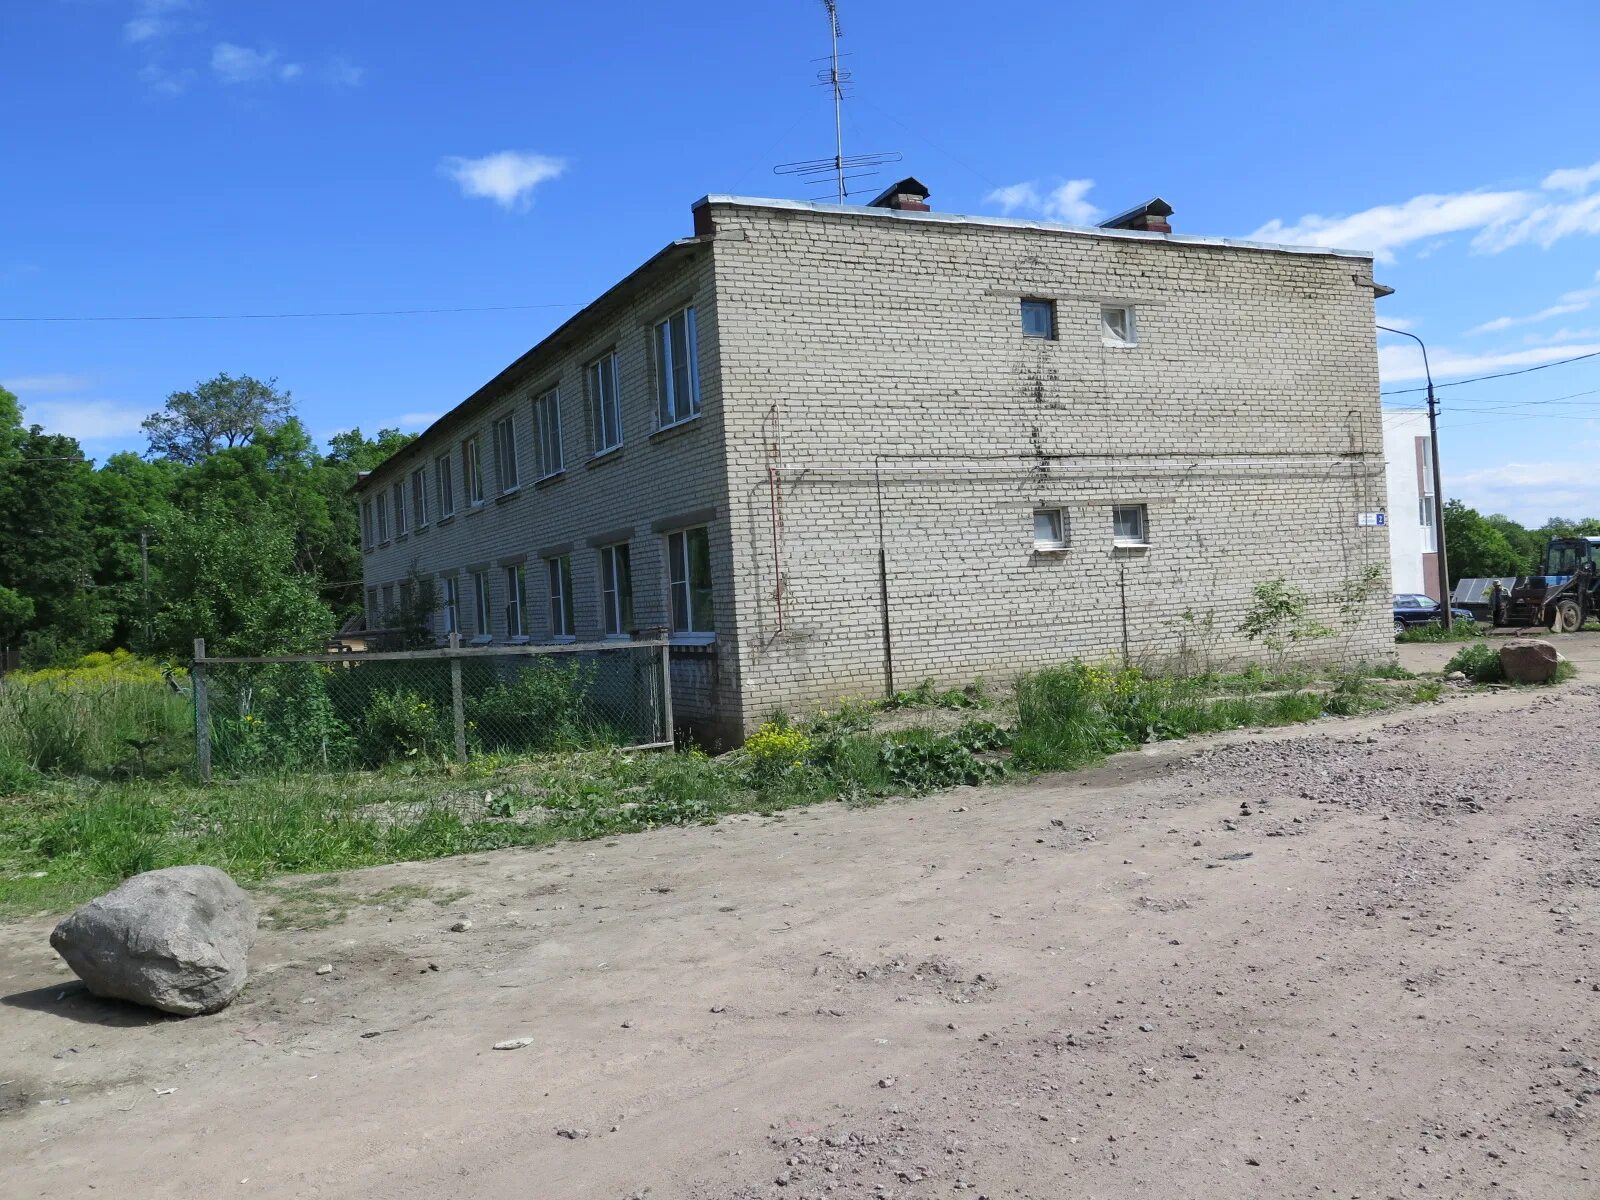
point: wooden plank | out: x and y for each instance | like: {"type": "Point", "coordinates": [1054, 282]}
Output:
{"type": "Point", "coordinates": [202, 712]}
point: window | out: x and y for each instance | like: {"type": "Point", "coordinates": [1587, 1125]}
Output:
{"type": "Point", "coordinates": [547, 432]}
{"type": "Point", "coordinates": [480, 600]}
{"type": "Point", "coordinates": [516, 599]}
{"type": "Point", "coordinates": [616, 591]}
{"type": "Point", "coordinates": [505, 454]}
{"type": "Point", "coordinates": [1039, 318]}
{"type": "Point", "coordinates": [1128, 525]}
{"type": "Point", "coordinates": [444, 486]}
{"type": "Point", "coordinates": [451, 604]}
{"type": "Point", "coordinates": [689, 567]}
{"type": "Point", "coordinates": [1430, 538]}
{"type": "Point", "coordinates": [1049, 529]}
{"type": "Point", "coordinates": [419, 497]}
{"type": "Point", "coordinates": [677, 369]}
{"type": "Point", "coordinates": [560, 570]}
{"type": "Point", "coordinates": [1117, 325]}
{"type": "Point", "coordinates": [366, 523]}
{"type": "Point", "coordinates": [405, 595]}
{"type": "Point", "coordinates": [472, 468]}
{"type": "Point", "coordinates": [605, 403]}
{"type": "Point", "coordinates": [381, 507]}
{"type": "Point", "coordinates": [372, 608]}
{"type": "Point", "coordinates": [398, 495]}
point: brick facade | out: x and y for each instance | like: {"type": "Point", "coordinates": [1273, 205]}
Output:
{"type": "Point", "coordinates": [865, 370]}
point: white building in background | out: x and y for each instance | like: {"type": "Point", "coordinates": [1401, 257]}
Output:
{"type": "Point", "coordinates": [1413, 544]}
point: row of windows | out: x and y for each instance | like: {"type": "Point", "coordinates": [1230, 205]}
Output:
{"type": "Point", "coordinates": [406, 504]}
{"type": "Point", "coordinates": [1118, 322]}
{"type": "Point", "coordinates": [688, 595]}
{"type": "Point", "coordinates": [1129, 527]}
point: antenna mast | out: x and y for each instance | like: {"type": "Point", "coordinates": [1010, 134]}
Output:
{"type": "Point", "coordinates": [837, 84]}
{"type": "Point", "coordinates": [841, 168]}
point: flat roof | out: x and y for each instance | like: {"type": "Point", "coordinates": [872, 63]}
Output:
{"type": "Point", "coordinates": [1096, 231]}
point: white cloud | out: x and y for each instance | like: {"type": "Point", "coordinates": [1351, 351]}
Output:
{"type": "Point", "coordinates": [1387, 227]}
{"type": "Point", "coordinates": [1546, 225]}
{"type": "Point", "coordinates": [164, 82]}
{"type": "Point", "coordinates": [87, 420]}
{"type": "Point", "coordinates": [153, 19]}
{"type": "Point", "coordinates": [1572, 179]}
{"type": "Point", "coordinates": [26, 385]}
{"type": "Point", "coordinates": [1568, 302]}
{"type": "Point", "coordinates": [235, 64]}
{"type": "Point", "coordinates": [1530, 492]}
{"type": "Point", "coordinates": [418, 420]}
{"type": "Point", "coordinates": [508, 178]}
{"type": "Point", "coordinates": [1064, 202]}
{"type": "Point", "coordinates": [1398, 363]}
{"type": "Point", "coordinates": [1563, 334]}
{"type": "Point", "coordinates": [1405, 323]}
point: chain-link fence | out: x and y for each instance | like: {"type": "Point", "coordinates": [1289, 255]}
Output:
{"type": "Point", "coordinates": [360, 711]}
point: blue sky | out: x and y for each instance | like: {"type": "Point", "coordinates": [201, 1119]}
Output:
{"type": "Point", "coordinates": [195, 156]}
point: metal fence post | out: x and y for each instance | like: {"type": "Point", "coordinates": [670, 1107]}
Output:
{"type": "Point", "coordinates": [458, 707]}
{"type": "Point", "coordinates": [202, 712]}
{"type": "Point", "coordinates": [668, 735]}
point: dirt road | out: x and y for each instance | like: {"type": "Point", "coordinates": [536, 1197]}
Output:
{"type": "Point", "coordinates": [1356, 959]}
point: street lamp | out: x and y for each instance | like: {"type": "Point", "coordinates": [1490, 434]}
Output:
{"type": "Point", "coordinates": [1438, 490]}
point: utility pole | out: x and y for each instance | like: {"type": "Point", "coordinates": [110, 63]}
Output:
{"type": "Point", "coordinates": [1438, 489]}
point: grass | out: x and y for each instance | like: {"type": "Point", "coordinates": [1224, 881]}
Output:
{"type": "Point", "coordinates": [1434, 631]}
{"type": "Point", "coordinates": [63, 839]}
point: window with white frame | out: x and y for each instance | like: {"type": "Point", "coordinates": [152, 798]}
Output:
{"type": "Point", "coordinates": [1129, 526]}
{"type": "Point", "coordinates": [547, 432]}
{"type": "Point", "coordinates": [1118, 326]}
{"type": "Point", "coordinates": [677, 369]}
{"type": "Point", "coordinates": [450, 603]}
{"type": "Point", "coordinates": [397, 495]}
{"type": "Point", "coordinates": [516, 600]}
{"type": "Point", "coordinates": [616, 590]}
{"type": "Point", "coordinates": [381, 507]}
{"type": "Point", "coordinates": [480, 604]}
{"type": "Point", "coordinates": [472, 469]}
{"type": "Point", "coordinates": [419, 497]}
{"type": "Point", "coordinates": [366, 523]}
{"type": "Point", "coordinates": [605, 402]}
{"type": "Point", "coordinates": [444, 486]}
{"type": "Point", "coordinates": [689, 581]}
{"type": "Point", "coordinates": [1049, 529]}
{"type": "Point", "coordinates": [1039, 318]}
{"type": "Point", "coordinates": [559, 571]}
{"type": "Point", "coordinates": [505, 454]}
{"type": "Point", "coordinates": [1430, 536]}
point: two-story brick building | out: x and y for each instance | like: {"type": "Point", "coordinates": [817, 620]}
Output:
{"type": "Point", "coordinates": [837, 448]}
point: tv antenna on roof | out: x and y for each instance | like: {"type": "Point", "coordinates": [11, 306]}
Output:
{"type": "Point", "coordinates": [842, 168]}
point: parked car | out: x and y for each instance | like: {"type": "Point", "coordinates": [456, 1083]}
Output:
{"type": "Point", "coordinates": [1412, 609]}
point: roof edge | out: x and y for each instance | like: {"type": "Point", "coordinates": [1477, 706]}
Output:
{"type": "Point", "coordinates": [1095, 231]}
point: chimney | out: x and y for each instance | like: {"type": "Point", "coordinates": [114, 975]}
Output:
{"type": "Point", "coordinates": [1150, 216]}
{"type": "Point", "coordinates": [909, 195]}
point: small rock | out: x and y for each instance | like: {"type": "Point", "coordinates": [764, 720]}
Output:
{"type": "Point", "coordinates": [886, 1082]}
{"type": "Point", "coordinates": [572, 1135]}
{"type": "Point", "coordinates": [461, 926]}
{"type": "Point", "coordinates": [1147, 1029]}
{"type": "Point", "coordinates": [514, 1043]}
{"type": "Point", "coordinates": [325, 969]}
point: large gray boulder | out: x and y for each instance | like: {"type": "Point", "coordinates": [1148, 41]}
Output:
{"type": "Point", "coordinates": [1529, 661]}
{"type": "Point", "coordinates": [176, 940]}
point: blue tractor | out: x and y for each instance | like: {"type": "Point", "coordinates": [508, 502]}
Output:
{"type": "Point", "coordinates": [1565, 593]}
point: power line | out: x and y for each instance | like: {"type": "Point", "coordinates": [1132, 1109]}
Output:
{"type": "Point", "coordinates": [1560, 362]}
{"type": "Point", "coordinates": [286, 316]}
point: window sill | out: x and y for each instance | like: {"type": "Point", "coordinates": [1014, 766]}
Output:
{"type": "Point", "coordinates": [611, 454]}
{"type": "Point", "coordinates": [1131, 547]}
{"type": "Point", "coordinates": [564, 639]}
{"type": "Point", "coordinates": [1040, 548]}
{"type": "Point", "coordinates": [550, 480]}
{"type": "Point", "coordinates": [400, 537]}
{"type": "Point", "coordinates": [519, 640]}
{"type": "Point", "coordinates": [507, 497]}
{"type": "Point", "coordinates": [483, 639]}
{"type": "Point", "coordinates": [673, 430]}
{"type": "Point", "coordinates": [419, 531]}
{"type": "Point", "coordinates": [1113, 344]}
{"type": "Point", "coordinates": [692, 639]}
{"type": "Point", "coordinates": [446, 520]}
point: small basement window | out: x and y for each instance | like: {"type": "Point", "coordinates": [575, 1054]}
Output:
{"type": "Point", "coordinates": [1117, 326]}
{"type": "Point", "coordinates": [1039, 318]}
{"type": "Point", "coordinates": [1129, 526]}
{"type": "Point", "coordinates": [1049, 529]}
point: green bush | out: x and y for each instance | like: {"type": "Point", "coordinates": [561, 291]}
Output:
{"type": "Point", "coordinates": [1434, 631]}
{"type": "Point", "coordinates": [1479, 661]}
{"type": "Point", "coordinates": [401, 725]}
{"type": "Point", "coordinates": [542, 708]}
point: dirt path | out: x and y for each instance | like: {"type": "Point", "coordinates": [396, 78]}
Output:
{"type": "Point", "coordinates": [1351, 960]}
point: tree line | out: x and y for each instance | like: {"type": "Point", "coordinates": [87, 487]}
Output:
{"type": "Point", "coordinates": [1483, 547]}
{"type": "Point", "coordinates": [234, 526]}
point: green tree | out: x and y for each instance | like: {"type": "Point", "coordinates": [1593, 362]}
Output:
{"type": "Point", "coordinates": [16, 612]}
{"type": "Point", "coordinates": [228, 574]}
{"type": "Point", "coordinates": [220, 413]}
{"type": "Point", "coordinates": [1480, 547]}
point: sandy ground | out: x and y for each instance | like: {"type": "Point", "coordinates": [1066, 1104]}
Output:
{"type": "Point", "coordinates": [1355, 959]}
